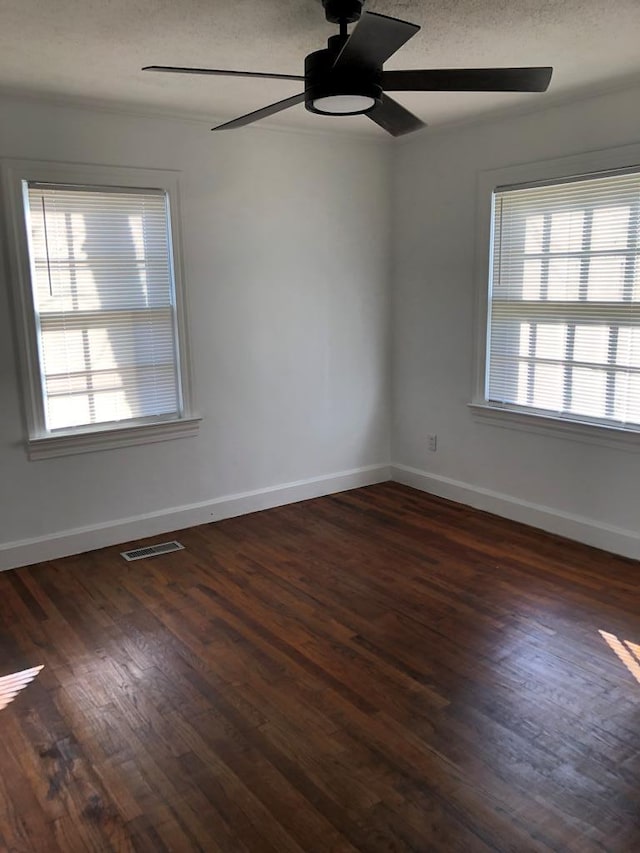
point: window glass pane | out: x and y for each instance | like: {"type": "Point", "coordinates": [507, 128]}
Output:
{"type": "Point", "coordinates": [566, 231]}
{"type": "Point", "coordinates": [606, 278]}
{"type": "Point", "coordinates": [508, 339]}
{"type": "Point", "coordinates": [627, 398]}
{"type": "Point", "coordinates": [59, 348]}
{"type": "Point", "coordinates": [547, 386]}
{"type": "Point", "coordinates": [551, 340]}
{"type": "Point", "coordinates": [111, 405]}
{"type": "Point", "coordinates": [534, 231]}
{"type": "Point", "coordinates": [628, 350]}
{"type": "Point", "coordinates": [522, 391]}
{"type": "Point", "coordinates": [591, 343]}
{"type": "Point", "coordinates": [636, 281]}
{"type": "Point", "coordinates": [564, 279]}
{"type": "Point", "coordinates": [525, 339]}
{"type": "Point", "coordinates": [531, 279]}
{"type": "Point", "coordinates": [588, 392]}
{"type": "Point", "coordinates": [609, 228]}
{"type": "Point", "coordinates": [68, 411]}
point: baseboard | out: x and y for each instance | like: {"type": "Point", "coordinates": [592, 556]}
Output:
{"type": "Point", "coordinates": [82, 539]}
{"type": "Point", "coordinates": [615, 539]}
{"type": "Point", "coordinates": [79, 540]}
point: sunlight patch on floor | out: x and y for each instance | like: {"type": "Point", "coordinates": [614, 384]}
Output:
{"type": "Point", "coordinates": [12, 684]}
{"type": "Point", "coordinates": [629, 653]}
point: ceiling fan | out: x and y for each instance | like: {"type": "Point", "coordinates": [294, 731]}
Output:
{"type": "Point", "coordinates": [346, 78]}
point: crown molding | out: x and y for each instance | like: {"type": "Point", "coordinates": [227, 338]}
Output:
{"type": "Point", "coordinates": [149, 111]}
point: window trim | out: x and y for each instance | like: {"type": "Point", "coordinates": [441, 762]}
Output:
{"type": "Point", "coordinates": [40, 443]}
{"type": "Point", "coordinates": [556, 171]}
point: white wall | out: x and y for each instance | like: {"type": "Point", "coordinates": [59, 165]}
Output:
{"type": "Point", "coordinates": [587, 491]}
{"type": "Point", "coordinates": [287, 246]}
{"type": "Point", "coordinates": [285, 239]}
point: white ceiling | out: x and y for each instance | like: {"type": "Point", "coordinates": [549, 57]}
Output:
{"type": "Point", "coordinates": [95, 49]}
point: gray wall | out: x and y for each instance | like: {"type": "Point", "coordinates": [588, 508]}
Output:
{"type": "Point", "coordinates": [582, 489]}
{"type": "Point", "coordinates": [292, 251]}
{"type": "Point", "coordinates": [285, 243]}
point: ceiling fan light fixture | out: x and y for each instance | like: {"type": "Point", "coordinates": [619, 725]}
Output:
{"type": "Point", "coordinates": [328, 92]}
{"type": "Point", "coordinates": [343, 105]}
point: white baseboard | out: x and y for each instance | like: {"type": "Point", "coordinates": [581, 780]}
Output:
{"type": "Point", "coordinates": [82, 539]}
{"type": "Point", "coordinates": [615, 539]}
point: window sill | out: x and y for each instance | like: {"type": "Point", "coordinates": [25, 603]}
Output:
{"type": "Point", "coordinates": [606, 436]}
{"type": "Point", "coordinates": [68, 444]}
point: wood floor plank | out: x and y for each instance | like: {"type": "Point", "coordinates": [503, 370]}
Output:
{"type": "Point", "coordinates": [377, 670]}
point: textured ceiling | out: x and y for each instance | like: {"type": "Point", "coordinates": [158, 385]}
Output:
{"type": "Point", "coordinates": [95, 49]}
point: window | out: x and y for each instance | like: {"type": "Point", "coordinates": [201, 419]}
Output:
{"type": "Point", "coordinates": [564, 300]}
{"type": "Point", "coordinates": [100, 310]}
{"type": "Point", "coordinates": [103, 298]}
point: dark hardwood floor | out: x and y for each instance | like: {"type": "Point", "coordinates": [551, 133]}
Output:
{"type": "Point", "coordinates": [378, 670]}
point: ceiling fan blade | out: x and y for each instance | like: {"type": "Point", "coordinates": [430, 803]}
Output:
{"type": "Point", "coordinates": [394, 118]}
{"type": "Point", "coordinates": [174, 69]}
{"type": "Point", "coordinates": [468, 80]}
{"type": "Point", "coordinates": [262, 113]}
{"type": "Point", "coordinates": [374, 39]}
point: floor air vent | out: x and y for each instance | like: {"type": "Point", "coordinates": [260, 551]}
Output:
{"type": "Point", "coordinates": [152, 550]}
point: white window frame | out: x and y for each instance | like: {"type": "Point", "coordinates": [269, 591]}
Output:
{"type": "Point", "coordinates": [590, 163]}
{"type": "Point", "coordinates": [40, 443]}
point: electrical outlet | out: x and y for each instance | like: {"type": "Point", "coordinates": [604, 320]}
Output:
{"type": "Point", "coordinates": [432, 442]}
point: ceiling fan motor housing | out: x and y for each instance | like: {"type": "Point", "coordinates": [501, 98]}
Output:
{"type": "Point", "coordinates": [348, 11]}
{"type": "Point", "coordinates": [322, 81]}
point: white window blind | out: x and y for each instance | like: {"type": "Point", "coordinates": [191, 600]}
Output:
{"type": "Point", "coordinates": [104, 301]}
{"type": "Point", "coordinates": [564, 302]}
